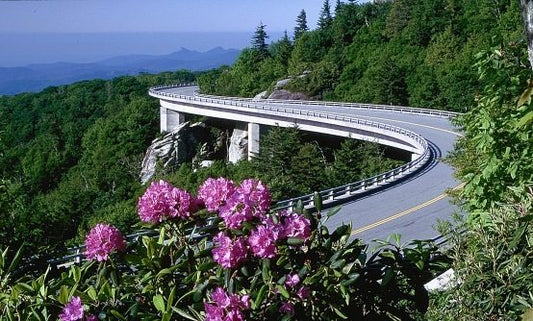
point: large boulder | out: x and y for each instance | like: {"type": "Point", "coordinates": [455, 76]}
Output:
{"type": "Point", "coordinates": [282, 94]}
{"type": "Point", "coordinates": [238, 148]}
{"type": "Point", "coordinates": [174, 148]}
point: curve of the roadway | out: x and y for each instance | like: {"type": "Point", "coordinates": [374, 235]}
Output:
{"type": "Point", "coordinates": [410, 207]}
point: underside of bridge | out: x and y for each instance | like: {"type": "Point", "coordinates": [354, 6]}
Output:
{"type": "Point", "coordinates": [171, 119]}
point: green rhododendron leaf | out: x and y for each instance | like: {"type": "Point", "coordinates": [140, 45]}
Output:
{"type": "Point", "coordinates": [159, 303]}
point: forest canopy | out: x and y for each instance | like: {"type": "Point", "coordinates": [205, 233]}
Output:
{"type": "Point", "coordinates": [405, 52]}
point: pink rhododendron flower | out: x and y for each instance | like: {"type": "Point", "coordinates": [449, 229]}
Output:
{"type": "Point", "coordinates": [262, 242]}
{"type": "Point", "coordinates": [287, 308]}
{"type": "Point", "coordinates": [303, 293]}
{"type": "Point", "coordinates": [226, 307]}
{"type": "Point", "coordinates": [72, 311]}
{"type": "Point", "coordinates": [102, 240]}
{"type": "Point", "coordinates": [251, 199]}
{"type": "Point", "coordinates": [162, 200]}
{"type": "Point", "coordinates": [258, 194]}
{"type": "Point", "coordinates": [292, 280]}
{"type": "Point", "coordinates": [213, 312]}
{"type": "Point", "coordinates": [295, 225]}
{"type": "Point", "coordinates": [234, 315]}
{"type": "Point", "coordinates": [229, 253]}
{"type": "Point", "coordinates": [221, 298]}
{"type": "Point", "coordinates": [215, 192]}
{"type": "Point", "coordinates": [238, 209]}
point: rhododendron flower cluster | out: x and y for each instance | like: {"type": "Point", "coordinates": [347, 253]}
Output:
{"type": "Point", "coordinates": [215, 192]}
{"type": "Point", "coordinates": [262, 242]}
{"type": "Point", "coordinates": [251, 199]}
{"type": "Point", "coordinates": [287, 308]}
{"type": "Point", "coordinates": [162, 200]}
{"type": "Point", "coordinates": [295, 225]}
{"type": "Point", "coordinates": [229, 253]}
{"type": "Point", "coordinates": [226, 307]}
{"type": "Point", "coordinates": [102, 240]}
{"type": "Point", "coordinates": [303, 293]}
{"type": "Point", "coordinates": [292, 280]}
{"type": "Point", "coordinates": [73, 310]}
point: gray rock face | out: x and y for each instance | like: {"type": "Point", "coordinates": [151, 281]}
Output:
{"type": "Point", "coordinates": [283, 94]}
{"type": "Point", "coordinates": [238, 148]}
{"type": "Point", "coordinates": [261, 95]}
{"type": "Point", "coordinates": [174, 148]}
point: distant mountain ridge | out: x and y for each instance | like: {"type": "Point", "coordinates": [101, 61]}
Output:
{"type": "Point", "coordinates": [35, 77]}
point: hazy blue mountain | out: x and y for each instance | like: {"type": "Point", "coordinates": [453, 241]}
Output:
{"type": "Point", "coordinates": [36, 77]}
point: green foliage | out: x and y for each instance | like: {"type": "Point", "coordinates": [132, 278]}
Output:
{"type": "Point", "coordinates": [171, 276]}
{"type": "Point", "coordinates": [71, 154]}
{"type": "Point", "coordinates": [494, 158]}
{"type": "Point", "coordinates": [357, 160]}
{"type": "Point", "coordinates": [493, 263]}
{"type": "Point", "coordinates": [259, 45]}
{"type": "Point", "coordinates": [409, 52]}
{"type": "Point", "coordinates": [293, 171]}
{"type": "Point", "coordinates": [325, 19]}
{"type": "Point", "coordinates": [301, 25]}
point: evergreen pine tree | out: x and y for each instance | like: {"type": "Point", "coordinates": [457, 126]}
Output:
{"type": "Point", "coordinates": [259, 41]}
{"type": "Point", "coordinates": [325, 19]}
{"type": "Point", "coordinates": [337, 6]}
{"type": "Point", "coordinates": [282, 49]}
{"type": "Point", "coordinates": [301, 25]}
{"type": "Point", "coordinates": [308, 169]}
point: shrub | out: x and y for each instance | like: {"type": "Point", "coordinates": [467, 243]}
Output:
{"type": "Point", "coordinates": [235, 260]}
{"type": "Point", "coordinates": [493, 264]}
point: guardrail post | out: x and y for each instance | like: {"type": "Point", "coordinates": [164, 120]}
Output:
{"type": "Point", "coordinates": [331, 196]}
{"type": "Point", "coordinates": [77, 260]}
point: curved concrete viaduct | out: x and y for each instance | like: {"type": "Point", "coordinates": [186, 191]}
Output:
{"type": "Point", "coordinates": [408, 201]}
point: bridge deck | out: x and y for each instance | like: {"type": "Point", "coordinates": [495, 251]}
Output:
{"type": "Point", "coordinates": [411, 206]}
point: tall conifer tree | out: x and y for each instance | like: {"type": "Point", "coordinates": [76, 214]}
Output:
{"type": "Point", "coordinates": [338, 6]}
{"type": "Point", "coordinates": [259, 41]}
{"type": "Point", "coordinates": [325, 19]}
{"type": "Point", "coordinates": [301, 25]}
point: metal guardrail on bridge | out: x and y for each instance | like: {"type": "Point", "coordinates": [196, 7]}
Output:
{"type": "Point", "coordinates": [336, 193]}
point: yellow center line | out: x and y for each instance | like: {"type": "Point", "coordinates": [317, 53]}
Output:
{"type": "Point", "coordinates": [403, 213]}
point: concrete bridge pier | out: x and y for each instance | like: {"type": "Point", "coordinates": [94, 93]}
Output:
{"type": "Point", "coordinates": [169, 119]}
{"type": "Point", "coordinates": [253, 139]}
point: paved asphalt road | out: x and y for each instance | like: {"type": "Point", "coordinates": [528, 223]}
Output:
{"type": "Point", "coordinates": [410, 207]}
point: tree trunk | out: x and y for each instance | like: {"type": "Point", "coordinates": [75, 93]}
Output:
{"type": "Point", "coordinates": [526, 8]}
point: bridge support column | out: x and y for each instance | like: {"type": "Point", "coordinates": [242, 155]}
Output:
{"type": "Point", "coordinates": [253, 139]}
{"type": "Point", "coordinates": [169, 119]}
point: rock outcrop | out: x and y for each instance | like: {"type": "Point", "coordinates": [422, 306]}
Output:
{"type": "Point", "coordinates": [238, 148]}
{"type": "Point", "coordinates": [283, 94]}
{"type": "Point", "coordinates": [174, 148]}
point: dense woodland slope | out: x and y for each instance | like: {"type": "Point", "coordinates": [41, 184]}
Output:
{"type": "Point", "coordinates": [405, 52]}
{"type": "Point", "coordinates": [71, 153]}
{"type": "Point", "coordinates": [69, 157]}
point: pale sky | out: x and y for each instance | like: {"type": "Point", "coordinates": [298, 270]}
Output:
{"type": "Point", "coordinates": [90, 30]}
{"type": "Point", "coordinates": [153, 15]}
